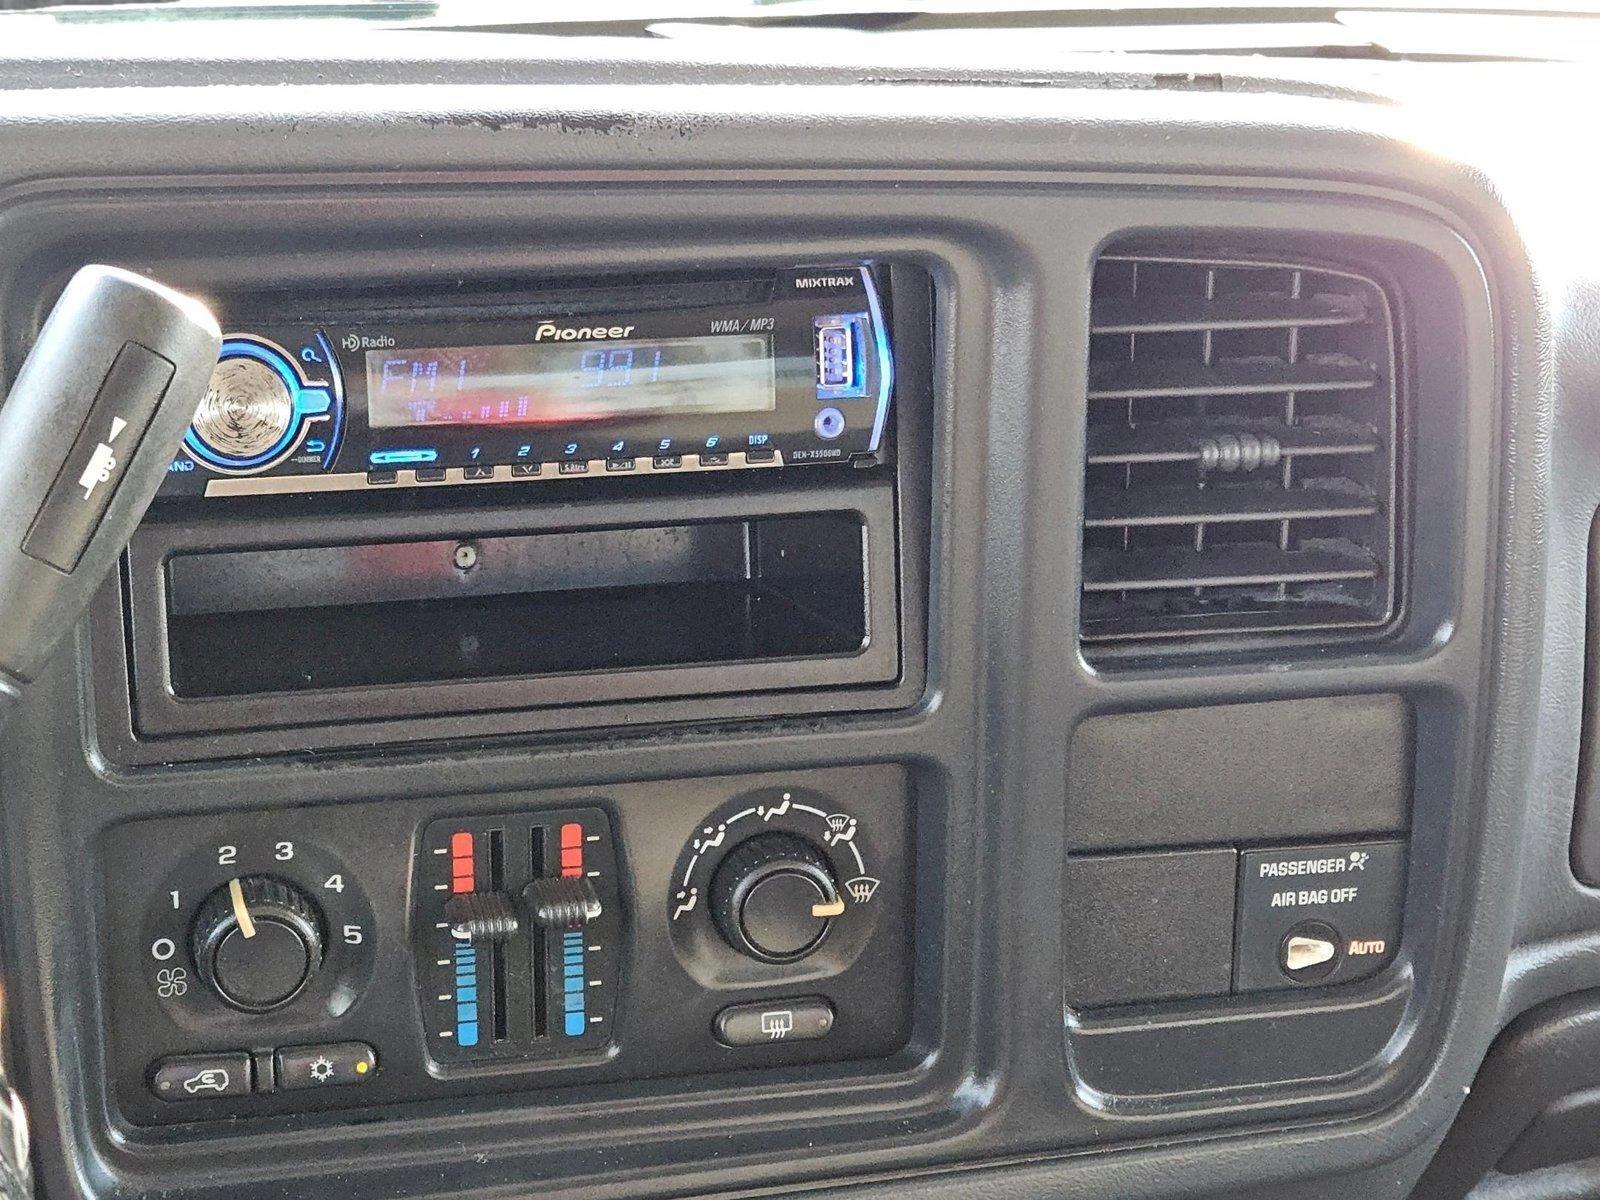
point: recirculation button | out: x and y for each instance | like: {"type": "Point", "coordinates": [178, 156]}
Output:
{"type": "Point", "coordinates": [202, 1076]}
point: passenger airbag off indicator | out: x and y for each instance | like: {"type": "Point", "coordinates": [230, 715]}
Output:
{"type": "Point", "coordinates": [1318, 915]}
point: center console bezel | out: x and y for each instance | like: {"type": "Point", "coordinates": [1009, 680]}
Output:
{"type": "Point", "coordinates": [982, 746]}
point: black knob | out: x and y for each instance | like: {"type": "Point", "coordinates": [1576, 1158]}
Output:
{"type": "Point", "coordinates": [774, 897]}
{"type": "Point", "coordinates": [257, 941]}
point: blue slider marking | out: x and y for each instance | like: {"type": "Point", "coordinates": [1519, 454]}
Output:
{"type": "Point", "coordinates": [466, 995]}
{"type": "Point", "coordinates": [400, 458]}
{"type": "Point", "coordinates": [576, 1021]}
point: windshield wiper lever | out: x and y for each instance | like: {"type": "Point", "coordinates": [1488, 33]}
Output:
{"type": "Point", "coordinates": [88, 433]}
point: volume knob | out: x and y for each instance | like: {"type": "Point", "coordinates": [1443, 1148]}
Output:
{"type": "Point", "coordinates": [257, 941]}
{"type": "Point", "coordinates": [246, 411]}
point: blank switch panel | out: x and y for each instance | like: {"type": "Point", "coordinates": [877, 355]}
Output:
{"type": "Point", "coordinates": [1282, 771]}
{"type": "Point", "coordinates": [1143, 927]}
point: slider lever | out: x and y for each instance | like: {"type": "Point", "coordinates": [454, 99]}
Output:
{"type": "Point", "coordinates": [561, 902]}
{"type": "Point", "coordinates": [482, 917]}
{"type": "Point", "coordinates": [490, 917]}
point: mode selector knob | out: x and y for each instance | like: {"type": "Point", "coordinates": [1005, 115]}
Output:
{"type": "Point", "coordinates": [257, 941]}
{"type": "Point", "coordinates": [774, 897]}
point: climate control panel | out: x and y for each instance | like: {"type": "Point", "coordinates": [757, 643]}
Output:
{"type": "Point", "coordinates": [348, 955]}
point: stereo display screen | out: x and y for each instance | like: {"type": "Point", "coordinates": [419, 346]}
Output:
{"type": "Point", "coordinates": [568, 383]}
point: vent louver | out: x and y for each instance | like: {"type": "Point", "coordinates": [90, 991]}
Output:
{"type": "Point", "coordinates": [1242, 439]}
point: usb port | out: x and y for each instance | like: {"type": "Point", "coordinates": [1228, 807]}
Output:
{"type": "Point", "coordinates": [841, 356]}
{"type": "Point", "coordinates": [836, 357]}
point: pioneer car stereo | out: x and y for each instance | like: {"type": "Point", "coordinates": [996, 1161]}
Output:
{"type": "Point", "coordinates": [756, 369]}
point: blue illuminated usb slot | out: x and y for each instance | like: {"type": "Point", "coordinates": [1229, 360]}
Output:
{"type": "Point", "coordinates": [841, 353]}
{"type": "Point", "coordinates": [401, 458]}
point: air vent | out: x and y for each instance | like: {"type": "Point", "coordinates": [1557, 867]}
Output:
{"type": "Point", "coordinates": [1241, 449]}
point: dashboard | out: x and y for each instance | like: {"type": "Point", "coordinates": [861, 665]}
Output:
{"type": "Point", "coordinates": [738, 626]}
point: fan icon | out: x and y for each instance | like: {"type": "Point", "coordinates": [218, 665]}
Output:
{"type": "Point", "coordinates": [321, 1070]}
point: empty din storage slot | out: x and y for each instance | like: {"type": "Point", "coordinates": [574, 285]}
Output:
{"type": "Point", "coordinates": [309, 619]}
{"type": "Point", "coordinates": [491, 610]}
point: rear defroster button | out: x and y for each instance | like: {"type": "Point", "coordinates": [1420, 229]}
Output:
{"type": "Point", "coordinates": [804, 1019]}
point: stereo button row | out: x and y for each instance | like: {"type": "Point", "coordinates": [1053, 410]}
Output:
{"type": "Point", "coordinates": [577, 466]}
{"type": "Point", "coordinates": [385, 476]}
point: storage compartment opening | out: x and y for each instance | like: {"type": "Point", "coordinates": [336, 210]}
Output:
{"type": "Point", "coordinates": [249, 622]}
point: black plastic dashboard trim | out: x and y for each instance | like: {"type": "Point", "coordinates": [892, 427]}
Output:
{"type": "Point", "coordinates": [1223, 1163]}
